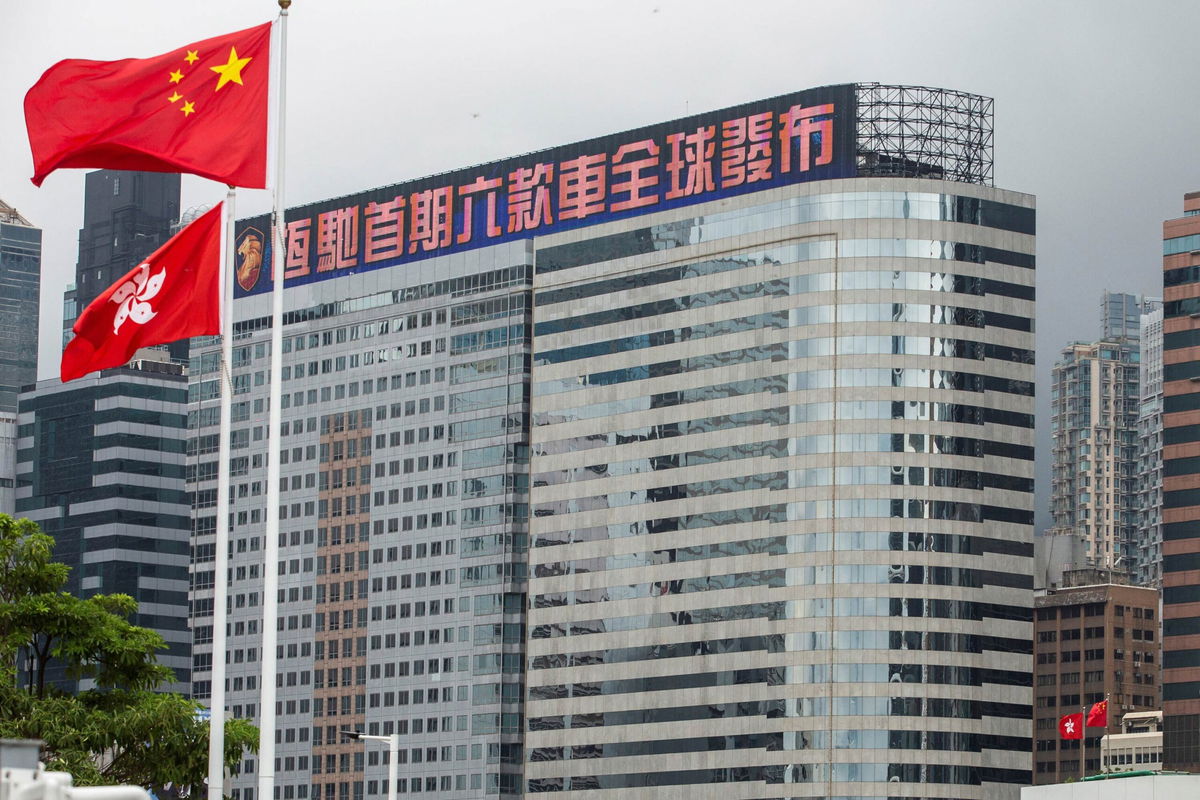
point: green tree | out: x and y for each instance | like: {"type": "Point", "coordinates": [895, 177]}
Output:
{"type": "Point", "coordinates": [121, 732]}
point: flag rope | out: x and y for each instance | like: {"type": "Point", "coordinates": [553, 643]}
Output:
{"type": "Point", "coordinates": [270, 605]}
{"type": "Point", "coordinates": [216, 705]}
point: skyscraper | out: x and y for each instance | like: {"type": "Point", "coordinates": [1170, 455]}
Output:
{"type": "Point", "coordinates": [1094, 409]}
{"type": "Point", "coordinates": [126, 217]}
{"type": "Point", "coordinates": [20, 277]}
{"type": "Point", "coordinates": [1181, 498]}
{"type": "Point", "coordinates": [734, 411]}
{"type": "Point", "coordinates": [780, 515]}
{"type": "Point", "coordinates": [101, 469]}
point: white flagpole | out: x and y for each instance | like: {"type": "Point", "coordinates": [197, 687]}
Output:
{"type": "Point", "coordinates": [216, 720]}
{"type": "Point", "coordinates": [270, 604]}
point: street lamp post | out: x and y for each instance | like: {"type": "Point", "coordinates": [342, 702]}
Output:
{"type": "Point", "coordinates": [393, 743]}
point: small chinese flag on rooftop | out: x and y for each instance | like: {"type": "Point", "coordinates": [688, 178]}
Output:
{"type": "Point", "coordinates": [173, 294]}
{"type": "Point", "coordinates": [200, 109]}
{"type": "Point", "coordinates": [1098, 715]}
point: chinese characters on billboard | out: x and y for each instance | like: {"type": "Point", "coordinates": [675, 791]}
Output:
{"type": "Point", "coordinates": [804, 136]}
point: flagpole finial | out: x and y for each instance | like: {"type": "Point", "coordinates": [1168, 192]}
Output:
{"type": "Point", "coordinates": [285, 4]}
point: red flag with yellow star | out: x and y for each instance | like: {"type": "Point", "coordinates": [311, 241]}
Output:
{"type": "Point", "coordinates": [200, 109]}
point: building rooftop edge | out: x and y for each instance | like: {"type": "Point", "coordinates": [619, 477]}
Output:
{"type": "Point", "coordinates": [857, 85]}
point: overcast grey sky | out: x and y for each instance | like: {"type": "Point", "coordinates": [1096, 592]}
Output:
{"type": "Point", "coordinates": [1097, 108]}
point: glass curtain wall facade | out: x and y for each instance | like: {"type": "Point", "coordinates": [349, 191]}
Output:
{"type": "Point", "coordinates": [100, 467]}
{"type": "Point", "coordinates": [20, 278]}
{"type": "Point", "coordinates": [126, 217]}
{"type": "Point", "coordinates": [781, 505]}
{"type": "Point", "coordinates": [404, 465]}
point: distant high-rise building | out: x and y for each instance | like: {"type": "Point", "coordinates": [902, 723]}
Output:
{"type": "Point", "coordinates": [1093, 640]}
{"type": "Point", "coordinates": [1094, 406]}
{"type": "Point", "coordinates": [20, 277]}
{"type": "Point", "coordinates": [1147, 550]}
{"type": "Point", "coordinates": [126, 217]}
{"type": "Point", "coordinates": [101, 469]}
{"type": "Point", "coordinates": [1181, 495]}
{"type": "Point", "coordinates": [1120, 315]}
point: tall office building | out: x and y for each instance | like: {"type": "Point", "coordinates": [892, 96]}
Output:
{"type": "Point", "coordinates": [1094, 401]}
{"type": "Point", "coordinates": [1095, 640]}
{"type": "Point", "coordinates": [126, 217]}
{"type": "Point", "coordinates": [20, 277]}
{"type": "Point", "coordinates": [780, 513]}
{"type": "Point", "coordinates": [100, 467]}
{"type": "Point", "coordinates": [1147, 550]}
{"type": "Point", "coordinates": [1181, 497]}
{"type": "Point", "coordinates": [770, 369]}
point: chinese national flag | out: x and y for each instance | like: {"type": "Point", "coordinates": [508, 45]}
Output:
{"type": "Point", "coordinates": [1098, 715]}
{"type": "Point", "coordinates": [201, 109]}
{"type": "Point", "coordinates": [1071, 726]}
{"type": "Point", "coordinates": [173, 294]}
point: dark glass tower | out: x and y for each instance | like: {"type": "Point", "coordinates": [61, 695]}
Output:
{"type": "Point", "coordinates": [126, 217]}
{"type": "Point", "coordinates": [100, 467]}
{"type": "Point", "coordinates": [20, 274]}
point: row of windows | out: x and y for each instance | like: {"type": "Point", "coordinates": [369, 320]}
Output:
{"type": "Point", "coordinates": [893, 475]}
{"type": "Point", "coordinates": [778, 384]}
{"type": "Point", "coordinates": [787, 773]}
{"type": "Point", "coordinates": [932, 346]}
{"type": "Point", "coordinates": [783, 415]}
{"type": "Point", "coordinates": [812, 542]}
{"type": "Point", "coordinates": [839, 739]}
{"type": "Point", "coordinates": [805, 674]}
{"type": "Point", "coordinates": [792, 211]}
{"type": "Point", "coordinates": [792, 642]}
{"type": "Point", "coordinates": [873, 574]}
{"type": "Point", "coordinates": [870, 706]}
{"type": "Point", "coordinates": [787, 286]}
{"type": "Point", "coordinates": [811, 607]}
{"type": "Point", "coordinates": [520, 275]}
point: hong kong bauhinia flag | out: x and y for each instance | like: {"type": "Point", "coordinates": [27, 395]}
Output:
{"type": "Point", "coordinates": [1071, 726]}
{"type": "Point", "coordinates": [173, 294]}
{"type": "Point", "coordinates": [200, 109]}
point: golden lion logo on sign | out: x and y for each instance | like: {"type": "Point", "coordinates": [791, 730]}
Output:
{"type": "Point", "coordinates": [250, 252]}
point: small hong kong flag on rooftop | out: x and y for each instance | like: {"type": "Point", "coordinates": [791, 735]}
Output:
{"type": "Point", "coordinates": [200, 109]}
{"type": "Point", "coordinates": [1071, 726]}
{"type": "Point", "coordinates": [173, 294]}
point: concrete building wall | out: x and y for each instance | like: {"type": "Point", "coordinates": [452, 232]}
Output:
{"type": "Point", "coordinates": [1154, 787]}
{"type": "Point", "coordinates": [1090, 643]}
{"type": "Point", "coordinates": [1181, 476]}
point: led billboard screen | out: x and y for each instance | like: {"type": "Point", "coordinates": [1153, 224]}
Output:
{"type": "Point", "coordinates": [803, 136]}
